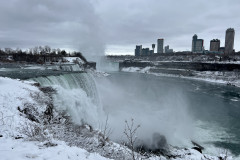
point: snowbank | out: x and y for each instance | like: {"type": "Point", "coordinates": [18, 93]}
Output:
{"type": "Point", "coordinates": [131, 69]}
{"type": "Point", "coordinates": [22, 150]}
{"type": "Point", "coordinates": [15, 95]}
{"type": "Point", "coordinates": [70, 59]}
{"type": "Point", "coordinates": [227, 77]}
{"type": "Point", "coordinates": [136, 69]}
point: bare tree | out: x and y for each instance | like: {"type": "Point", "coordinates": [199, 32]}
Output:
{"type": "Point", "coordinates": [106, 131]}
{"type": "Point", "coordinates": [8, 50]}
{"type": "Point", "coordinates": [58, 51]}
{"type": "Point", "coordinates": [35, 50]}
{"type": "Point", "coordinates": [30, 51]}
{"type": "Point", "coordinates": [223, 154]}
{"type": "Point", "coordinates": [47, 49]}
{"type": "Point", "coordinates": [54, 51]}
{"type": "Point", "coordinates": [130, 132]}
{"type": "Point", "coordinates": [34, 131]}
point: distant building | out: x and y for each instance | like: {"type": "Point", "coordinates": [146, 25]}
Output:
{"type": "Point", "coordinates": [138, 50]}
{"type": "Point", "coordinates": [151, 52]}
{"type": "Point", "coordinates": [215, 45]}
{"type": "Point", "coordinates": [168, 50]}
{"type": "Point", "coordinates": [197, 44]}
{"type": "Point", "coordinates": [153, 47]}
{"type": "Point", "coordinates": [221, 49]}
{"type": "Point", "coordinates": [229, 41]}
{"type": "Point", "coordinates": [145, 51]}
{"type": "Point", "coordinates": [160, 43]}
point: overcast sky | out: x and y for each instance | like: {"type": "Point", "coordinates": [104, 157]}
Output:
{"type": "Point", "coordinates": [115, 26]}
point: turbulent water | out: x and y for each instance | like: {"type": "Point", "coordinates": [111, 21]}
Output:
{"type": "Point", "coordinates": [180, 109]}
{"type": "Point", "coordinates": [77, 95]}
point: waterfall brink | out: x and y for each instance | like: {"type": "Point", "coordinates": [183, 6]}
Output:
{"type": "Point", "coordinates": [77, 95]}
{"type": "Point", "coordinates": [74, 67]}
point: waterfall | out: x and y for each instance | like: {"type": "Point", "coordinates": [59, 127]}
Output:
{"type": "Point", "coordinates": [76, 67]}
{"type": "Point", "coordinates": [67, 67]}
{"type": "Point", "coordinates": [77, 95]}
{"type": "Point", "coordinates": [72, 67]}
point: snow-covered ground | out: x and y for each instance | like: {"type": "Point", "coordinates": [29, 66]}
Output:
{"type": "Point", "coordinates": [208, 58]}
{"type": "Point", "coordinates": [136, 69]}
{"type": "Point", "coordinates": [70, 59]}
{"type": "Point", "coordinates": [227, 77]}
{"type": "Point", "coordinates": [11, 149]}
{"type": "Point", "coordinates": [26, 133]}
{"type": "Point", "coordinates": [219, 62]}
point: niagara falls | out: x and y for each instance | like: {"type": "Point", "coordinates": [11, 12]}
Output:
{"type": "Point", "coordinates": [119, 80]}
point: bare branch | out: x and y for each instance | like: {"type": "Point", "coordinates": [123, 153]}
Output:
{"type": "Point", "coordinates": [104, 134]}
{"type": "Point", "coordinates": [130, 132]}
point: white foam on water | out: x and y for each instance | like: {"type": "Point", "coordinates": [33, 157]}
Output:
{"type": "Point", "coordinates": [155, 113]}
{"type": "Point", "coordinates": [35, 67]}
{"type": "Point", "coordinates": [208, 133]}
{"type": "Point", "coordinates": [76, 67]}
{"type": "Point", "coordinates": [77, 95]}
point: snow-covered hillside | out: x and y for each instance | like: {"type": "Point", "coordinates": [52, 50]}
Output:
{"type": "Point", "coordinates": [16, 126]}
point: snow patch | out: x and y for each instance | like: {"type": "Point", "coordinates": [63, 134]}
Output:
{"type": "Point", "coordinates": [15, 95]}
{"type": "Point", "coordinates": [22, 150]}
{"type": "Point", "coordinates": [136, 69]}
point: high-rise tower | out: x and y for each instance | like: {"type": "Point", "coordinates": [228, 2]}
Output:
{"type": "Point", "coordinates": [160, 45]}
{"type": "Point", "coordinates": [229, 41]}
{"type": "Point", "coordinates": [214, 45]}
{"type": "Point", "coordinates": [138, 50]}
{"type": "Point", "coordinates": [197, 44]}
{"type": "Point", "coordinates": [153, 47]}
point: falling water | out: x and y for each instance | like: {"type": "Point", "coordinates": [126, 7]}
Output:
{"type": "Point", "coordinates": [77, 95]}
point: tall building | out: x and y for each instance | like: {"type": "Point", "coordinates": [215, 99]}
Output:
{"type": "Point", "coordinates": [160, 45]}
{"type": "Point", "coordinates": [145, 51]}
{"type": "Point", "coordinates": [229, 41]}
{"type": "Point", "coordinates": [153, 47]}
{"type": "Point", "coordinates": [197, 44]}
{"type": "Point", "coordinates": [214, 45]}
{"type": "Point", "coordinates": [138, 50]}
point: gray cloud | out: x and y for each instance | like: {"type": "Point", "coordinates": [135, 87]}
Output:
{"type": "Point", "coordinates": [93, 25]}
{"type": "Point", "coordinates": [68, 24]}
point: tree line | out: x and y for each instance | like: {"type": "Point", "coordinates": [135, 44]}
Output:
{"type": "Point", "coordinates": [40, 50]}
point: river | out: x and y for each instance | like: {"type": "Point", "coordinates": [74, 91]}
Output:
{"type": "Point", "coordinates": [180, 109]}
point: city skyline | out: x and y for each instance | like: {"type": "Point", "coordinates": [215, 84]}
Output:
{"type": "Point", "coordinates": [222, 42]}
{"type": "Point", "coordinates": [114, 27]}
{"type": "Point", "coordinates": [197, 45]}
